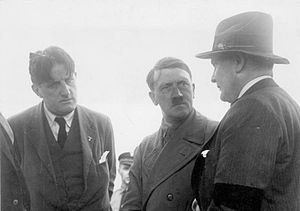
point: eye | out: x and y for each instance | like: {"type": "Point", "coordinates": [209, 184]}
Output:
{"type": "Point", "coordinates": [52, 85]}
{"type": "Point", "coordinates": [69, 80]}
{"type": "Point", "coordinates": [165, 88]}
{"type": "Point", "coordinates": [183, 84]}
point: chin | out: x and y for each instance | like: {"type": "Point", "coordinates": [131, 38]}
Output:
{"type": "Point", "coordinates": [67, 110]}
{"type": "Point", "coordinates": [181, 114]}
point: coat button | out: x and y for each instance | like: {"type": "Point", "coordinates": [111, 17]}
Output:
{"type": "Point", "coordinates": [15, 202]}
{"type": "Point", "coordinates": [170, 197]}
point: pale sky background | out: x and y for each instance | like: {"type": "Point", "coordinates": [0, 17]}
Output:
{"type": "Point", "coordinates": [114, 44]}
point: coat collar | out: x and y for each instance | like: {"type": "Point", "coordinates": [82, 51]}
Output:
{"type": "Point", "coordinates": [268, 82]}
{"type": "Point", "coordinates": [188, 129]}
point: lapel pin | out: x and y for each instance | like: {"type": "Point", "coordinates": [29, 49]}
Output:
{"type": "Point", "coordinates": [90, 138]}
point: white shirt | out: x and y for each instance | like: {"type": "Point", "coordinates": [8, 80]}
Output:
{"type": "Point", "coordinates": [54, 125]}
{"type": "Point", "coordinates": [251, 83]}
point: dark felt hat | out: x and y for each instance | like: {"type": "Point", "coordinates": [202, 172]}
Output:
{"type": "Point", "coordinates": [126, 158]}
{"type": "Point", "coordinates": [250, 33]}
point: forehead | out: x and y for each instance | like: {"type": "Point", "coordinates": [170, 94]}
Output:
{"type": "Point", "coordinates": [125, 165]}
{"type": "Point", "coordinates": [170, 75]}
{"type": "Point", "coordinates": [59, 72]}
{"type": "Point", "coordinates": [221, 58]}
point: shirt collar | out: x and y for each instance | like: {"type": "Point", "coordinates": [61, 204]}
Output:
{"type": "Point", "coordinates": [51, 117]}
{"type": "Point", "coordinates": [251, 83]}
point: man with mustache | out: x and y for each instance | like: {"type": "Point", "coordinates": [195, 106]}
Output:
{"type": "Point", "coordinates": [163, 162]}
{"type": "Point", "coordinates": [66, 151]}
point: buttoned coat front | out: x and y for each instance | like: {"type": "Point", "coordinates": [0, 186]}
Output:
{"type": "Point", "coordinates": [96, 137]}
{"type": "Point", "coordinates": [162, 181]}
{"type": "Point", "coordinates": [257, 145]}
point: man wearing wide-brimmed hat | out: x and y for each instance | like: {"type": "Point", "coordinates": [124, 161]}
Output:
{"type": "Point", "coordinates": [253, 162]}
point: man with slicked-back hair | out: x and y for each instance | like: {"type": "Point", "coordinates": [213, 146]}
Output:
{"type": "Point", "coordinates": [163, 162]}
{"type": "Point", "coordinates": [66, 151]}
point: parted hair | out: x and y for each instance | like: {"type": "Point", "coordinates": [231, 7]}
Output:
{"type": "Point", "coordinates": [41, 63]}
{"type": "Point", "coordinates": [166, 63]}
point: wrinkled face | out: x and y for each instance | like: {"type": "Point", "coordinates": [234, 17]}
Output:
{"type": "Point", "coordinates": [124, 172]}
{"type": "Point", "coordinates": [59, 94]}
{"type": "Point", "coordinates": [225, 77]}
{"type": "Point", "coordinates": [174, 93]}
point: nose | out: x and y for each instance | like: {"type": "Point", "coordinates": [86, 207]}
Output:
{"type": "Point", "coordinates": [213, 77]}
{"type": "Point", "coordinates": [65, 89]}
{"type": "Point", "coordinates": [176, 92]}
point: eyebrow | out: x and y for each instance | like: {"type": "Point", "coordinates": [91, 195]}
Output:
{"type": "Point", "coordinates": [170, 83]}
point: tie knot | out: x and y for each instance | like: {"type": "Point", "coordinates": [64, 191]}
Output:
{"type": "Point", "coordinates": [61, 121]}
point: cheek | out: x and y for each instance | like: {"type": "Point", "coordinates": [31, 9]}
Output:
{"type": "Point", "coordinates": [52, 97]}
{"type": "Point", "coordinates": [163, 99]}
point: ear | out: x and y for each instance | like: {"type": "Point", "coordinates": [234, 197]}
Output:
{"type": "Point", "coordinates": [35, 88]}
{"type": "Point", "coordinates": [240, 61]}
{"type": "Point", "coordinates": [153, 97]}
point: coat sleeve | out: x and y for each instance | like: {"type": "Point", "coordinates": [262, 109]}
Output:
{"type": "Point", "coordinates": [133, 197]}
{"type": "Point", "coordinates": [110, 146]}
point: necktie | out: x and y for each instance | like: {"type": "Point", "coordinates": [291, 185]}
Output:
{"type": "Point", "coordinates": [62, 133]}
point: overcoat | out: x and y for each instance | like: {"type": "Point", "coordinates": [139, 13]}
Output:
{"type": "Point", "coordinates": [161, 180]}
{"type": "Point", "coordinates": [14, 192]}
{"type": "Point", "coordinates": [96, 137]}
{"type": "Point", "coordinates": [257, 144]}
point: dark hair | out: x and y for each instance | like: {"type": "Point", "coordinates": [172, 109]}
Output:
{"type": "Point", "coordinates": [41, 63]}
{"type": "Point", "coordinates": [166, 63]}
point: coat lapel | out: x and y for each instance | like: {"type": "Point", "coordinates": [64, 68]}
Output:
{"type": "Point", "coordinates": [268, 82]}
{"type": "Point", "coordinates": [35, 134]}
{"type": "Point", "coordinates": [6, 145]}
{"type": "Point", "coordinates": [183, 146]}
{"type": "Point", "coordinates": [88, 139]}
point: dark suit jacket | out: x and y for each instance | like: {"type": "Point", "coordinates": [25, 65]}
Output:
{"type": "Point", "coordinates": [162, 182]}
{"type": "Point", "coordinates": [256, 145]}
{"type": "Point", "coordinates": [96, 138]}
{"type": "Point", "coordinates": [14, 193]}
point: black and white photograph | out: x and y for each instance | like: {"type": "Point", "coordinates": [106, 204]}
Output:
{"type": "Point", "coordinates": [161, 105]}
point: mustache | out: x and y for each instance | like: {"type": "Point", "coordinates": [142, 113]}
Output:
{"type": "Point", "coordinates": [177, 100]}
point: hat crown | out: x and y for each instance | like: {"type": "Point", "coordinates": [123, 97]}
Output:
{"type": "Point", "coordinates": [249, 32]}
{"type": "Point", "coordinates": [252, 31]}
{"type": "Point", "coordinates": [126, 157]}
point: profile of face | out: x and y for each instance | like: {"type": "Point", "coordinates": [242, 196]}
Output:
{"type": "Point", "coordinates": [124, 173]}
{"type": "Point", "coordinates": [173, 92]}
{"type": "Point", "coordinates": [59, 94]}
{"type": "Point", "coordinates": [225, 76]}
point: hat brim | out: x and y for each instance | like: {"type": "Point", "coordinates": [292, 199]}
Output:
{"type": "Point", "coordinates": [273, 58]}
{"type": "Point", "coordinates": [126, 161]}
